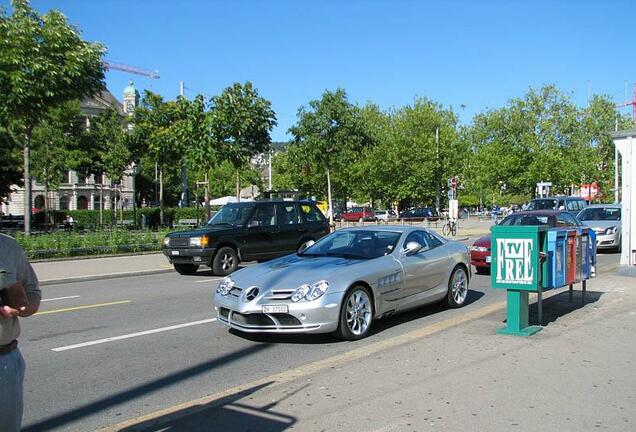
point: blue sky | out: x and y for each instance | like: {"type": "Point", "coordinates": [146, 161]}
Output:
{"type": "Point", "coordinates": [473, 53]}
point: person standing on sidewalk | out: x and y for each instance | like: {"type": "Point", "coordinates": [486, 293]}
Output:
{"type": "Point", "coordinates": [20, 297]}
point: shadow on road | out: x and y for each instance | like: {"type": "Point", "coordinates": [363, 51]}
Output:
{"type": "Point", "coordinates": [223, 415]}
{"type": "Point", "coordinates": [560, 305]}
{"type": "Point", "coordinates": [65, 418]}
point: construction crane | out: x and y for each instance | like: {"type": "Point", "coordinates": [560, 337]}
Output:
{"type": "Point", "coordinates": [131, 69]}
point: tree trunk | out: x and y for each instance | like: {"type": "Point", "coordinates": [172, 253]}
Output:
{"type": "Point", "coordinates": [329, 197]}
{"type": "Point", "coordinates": [161, 194]}
{"type": "Point", "coordinates": [238, 186]}
{"type": "Point", "coordinates": [112, 206]}
{"type": "Point", "coordinates": [27, 182]}
{"type": "Point", "coordinates": [101, 203]}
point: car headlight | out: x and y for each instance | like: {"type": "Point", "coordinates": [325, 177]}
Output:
{"type": "Point", "coordinates": [166, 241]}
{"type": "Point", "coordinates": [479, 249]}
{"type": "Point", "coordinates": [611, 230]}
{"type": "Point", "coordinates": [225, 286]}
{"type": "Point", "coordinates": [310, 292]}
{"type": "Point", "coordinates": [199, 241]}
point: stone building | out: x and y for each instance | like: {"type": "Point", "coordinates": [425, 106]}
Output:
{"type": "Point", "coordinates": [75, 193]}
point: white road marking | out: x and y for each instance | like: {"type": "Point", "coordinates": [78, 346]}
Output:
{"type": "Point", "coordinates": [132, 335]}
{"type": "Point", "coordinates": [60, 298]}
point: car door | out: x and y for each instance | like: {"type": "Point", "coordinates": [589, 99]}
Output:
{"type": "Point", "coordinates": [425, 269]}
{"type": "Point", "coordinates": [262, 234]}
{"type": "Point", "coordinates": [290, 226]}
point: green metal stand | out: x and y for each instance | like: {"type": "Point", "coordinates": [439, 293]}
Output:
{"type": "Point", "coordinates": [517, 312]}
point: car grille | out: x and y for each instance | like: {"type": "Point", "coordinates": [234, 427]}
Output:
{"type": "Point", "coordinates": [260, 320]}
{"type": "Point", "coordinates": [179, 242]}
{"type": "Point", "coordinates": [280, 294]}
{"type": "Point", "coordinates": [257, 319]}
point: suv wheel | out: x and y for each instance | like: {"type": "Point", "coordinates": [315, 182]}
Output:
{"type": "Point", "coordinates": [225, 261]}
{"type": "Point", "coordinates": [186, 269]}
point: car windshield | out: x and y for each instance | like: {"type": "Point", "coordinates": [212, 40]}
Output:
{"type": "Point", "coordinates": [354, 244]}
{"type": "Point", "coordinates": [542, 204]}
{"type": "Point", "coordinates": [232, 214]}
{"type": "Point", "coordinates": [527, 219]}
{"type": "Point", "coordinates": [601, 213]}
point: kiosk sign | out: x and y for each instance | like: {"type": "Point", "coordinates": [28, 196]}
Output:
{"type": "Point", "coordinates": [514, 261]}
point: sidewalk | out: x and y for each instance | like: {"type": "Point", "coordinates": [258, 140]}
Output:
{"type": "Point", "coordinates": [93, 268]}
{"type": "Point", "coordinates": [458, 375]}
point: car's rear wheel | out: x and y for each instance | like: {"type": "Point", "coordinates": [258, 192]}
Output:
{"type": "Point", "coordinates": [356, 314]}
{"type": "Point", "coordinates": [457, 287]}
{"type": "Point", "coordinates": [225, 261]}
{"type": "Point", "coordinates": [186, 269]}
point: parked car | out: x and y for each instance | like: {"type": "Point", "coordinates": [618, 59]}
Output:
{"type": "Point", "coordinates": [359, 214]}
{"type": "Point", "coordinates": [385, 215]}
{"type": "Point", "coordinates": [480, 250]}
{"type": "Point", "coordinates": [605, 220]}
{"type": "Point", "coordinates": [344, 281]}
{"type": "Point", "coordinates": [570, 204]}
{"type": "Point", "coordinates": [249, 231]}
{"type": "Point", "coordinates": [418, 214]}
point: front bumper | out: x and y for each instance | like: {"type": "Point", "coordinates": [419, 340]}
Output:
{"type": "Point", "coordinates": [189, 255]}
{"type": "Point", "coordinates": [318, 316]}
{"type": "Point", "coordinates": [608, 241]}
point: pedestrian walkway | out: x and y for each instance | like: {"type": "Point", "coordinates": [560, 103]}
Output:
{"type": "Point", "coordinates": [92, 268]}
{"type": "Point", "coordinates": [456, 375]}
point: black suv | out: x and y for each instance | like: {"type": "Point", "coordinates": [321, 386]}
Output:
{"type": "Point", "coordinates": [249, 231]}
{"type": "Point", "coordinates": [419, 214]}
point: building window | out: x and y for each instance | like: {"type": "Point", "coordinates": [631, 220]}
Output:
{"type": "Point", "coordinates": [38, 203]}
{"type": "Point", "coordinates": [64, 202]}
{"type": "Point", "coordinates": [82, 202]}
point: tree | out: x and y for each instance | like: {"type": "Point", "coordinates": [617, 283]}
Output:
{"type": "Point", "coordinates": [328, 137]}
{"type": "Point", "coordinates": [241, 122]}
{"type": "Point", "coordinates": [57, 145]}
{"type": "Point", "coordinates": [10, 173]}
{"type": "Point", "coordinates": [43, 64]}
{"type": "Point", "coordinates": [154, 132]}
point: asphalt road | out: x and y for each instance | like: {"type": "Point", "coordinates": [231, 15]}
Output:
{"type": "Point", "coordinates": [105, 351]}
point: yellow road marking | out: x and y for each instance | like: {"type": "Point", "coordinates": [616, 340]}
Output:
{"type": "Point", "coordinates": [81, 307]}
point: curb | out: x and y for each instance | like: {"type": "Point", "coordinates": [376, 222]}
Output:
{"type": "Point", "coordinates": [90, 257]}
{"type": "Point", "coordinates": [103, 276]}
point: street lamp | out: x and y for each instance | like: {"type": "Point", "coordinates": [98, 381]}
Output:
{"type": "Point", "coordinates": [135, 170]}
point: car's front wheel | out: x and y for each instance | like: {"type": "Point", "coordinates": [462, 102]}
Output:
{"type": "Point", "coordinates": [457, 288]}
{"type": "Point", "coordinates": [225, 261]}
{"type": "Point", "coordinates": [186, 269]}
{"type": "Point", "coordinates": [356, 314]}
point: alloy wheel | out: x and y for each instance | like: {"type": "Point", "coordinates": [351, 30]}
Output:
{"type": "Point", "coordinates": [358, 313]}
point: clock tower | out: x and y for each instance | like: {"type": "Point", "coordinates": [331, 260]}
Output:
{"type": "Point", "coordinates": [131, 98]}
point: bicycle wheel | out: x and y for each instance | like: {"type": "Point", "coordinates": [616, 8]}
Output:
{"type": "Point", "coordinates": [446, 229]}
{"type": "Point", "coordinates": [454, 229]}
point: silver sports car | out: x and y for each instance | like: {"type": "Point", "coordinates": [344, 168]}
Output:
{"type": "Point", "coordinates": [344, 281]}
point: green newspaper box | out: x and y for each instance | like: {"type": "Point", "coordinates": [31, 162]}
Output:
{"type": "Point", "coordinates": [516, 267]}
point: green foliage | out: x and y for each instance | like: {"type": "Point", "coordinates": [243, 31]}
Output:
{"type": "Point", "coordinates": [11, 165]}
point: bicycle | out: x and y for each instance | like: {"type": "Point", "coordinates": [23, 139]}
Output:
{"type": "Point", "coordinates": [450, 227]}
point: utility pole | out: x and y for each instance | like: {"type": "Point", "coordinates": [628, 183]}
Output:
{"type": "Point", "coordinates": [437, 174]}
{"type": "Point", "coordinates": [185, 199]}
{"type": "Point", "coordinates": [269, 169]}
{"type": "Point", "coordinates": [616, 166]}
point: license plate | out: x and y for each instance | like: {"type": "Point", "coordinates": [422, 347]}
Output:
{"type": "Point", "coordinates": [275, 309]}
{"type": "Point", "coordinates": [488, 258]}
{"type": "Point", "coordinates": [174, 252]}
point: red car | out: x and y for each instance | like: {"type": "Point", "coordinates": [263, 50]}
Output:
{"type": "Point", "coordinates": [359, 214]}
{"type": "Point", "coordinates": [480, 250]}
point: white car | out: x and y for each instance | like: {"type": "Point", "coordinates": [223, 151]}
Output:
{"type": "Point", "coordinates": [385, 215]}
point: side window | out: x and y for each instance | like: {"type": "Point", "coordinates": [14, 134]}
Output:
{"type": "Point", "coordinates": [572, 205]}
{"type": "Point", "coordinates": [581, 204]}
{"type": "Point", "coordinates": [432, 241]}
{"type": "Point", "coordinates": [417, 236]}
{"type": "Point", "coordinates": [264, 215]}
{"type": "Point", "coordinates": [288, 214]}
{"type": "Point", "coordinates": [561, 221]}
{"type": "Point", "coordinates": [570, 220]}
{"type": "Point", "coordinates": [310, 214]}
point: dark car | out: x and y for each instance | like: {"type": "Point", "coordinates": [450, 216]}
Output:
{"type": "Point", "coordinates": [418, 214]}
{"type": "Point", "coordinates": [250, 231]}
{"type": "Point", "coordinates": [480, 250]}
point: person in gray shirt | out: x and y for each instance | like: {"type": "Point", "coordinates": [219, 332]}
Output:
{"type": "Point", "coordinates": [16, 279]}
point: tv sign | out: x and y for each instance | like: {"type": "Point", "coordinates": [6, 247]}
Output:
{"type": "Point", "coordinates": [514, 264]}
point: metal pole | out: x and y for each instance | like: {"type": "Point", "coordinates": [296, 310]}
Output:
{"type": "Point", "coordinates": [540, 306]}
{"type": "Point", "coordinates": [616, 166]}
{"type": "Point", "coordinates": [270, 171]}
{"type": "Point", "coordinates": [437, 174]}
{"type": "Point", "coordinates": [185, 199]}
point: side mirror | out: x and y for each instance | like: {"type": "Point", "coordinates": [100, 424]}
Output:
{"type": "Point", "coordinates": [303, 247]}
{"type": "Point", "coordinates": [411, 248]}
{"type": "Point", "coordinates": [253, 223]}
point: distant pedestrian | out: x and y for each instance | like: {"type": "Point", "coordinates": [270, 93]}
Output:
{"type": "Point", "coordinates": [68, 223]}
{"type": "Point", "coordinates": [19, 297]}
